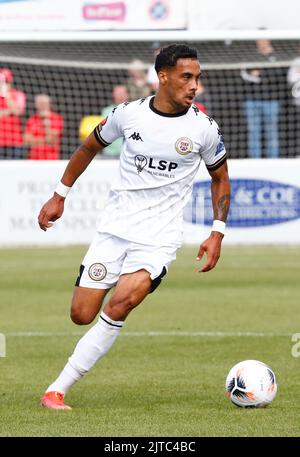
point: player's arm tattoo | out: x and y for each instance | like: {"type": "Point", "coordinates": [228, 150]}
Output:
{"type": "Point", "coordinates": [222, 208]}
{"type": "Point", "coordinates": [220, 193]}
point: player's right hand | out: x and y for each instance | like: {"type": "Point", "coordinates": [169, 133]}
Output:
{"type": "Point", "coordinates": [51, 211]}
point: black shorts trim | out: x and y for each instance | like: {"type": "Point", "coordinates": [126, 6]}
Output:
{"type": "Point", "coordinates": [79, 276]}
{"type": "Point", "coordinates": [156, 282]}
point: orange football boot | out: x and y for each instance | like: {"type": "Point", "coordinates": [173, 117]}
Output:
{"type": "Point", "coordinates": [54, 400]}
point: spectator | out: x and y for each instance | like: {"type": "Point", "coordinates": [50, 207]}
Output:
{"type": "Point", "coordinates": [12, 106]}
{"type": "Point", "coordinates": [262, 103]}
{"type": "Point", "coordinates": [137, 86]}
{"type": "Point", "coordinates": [152, 78]}
{"type": "Point", "coordinates": [43, 131]}
{"type": "Point", "coordinates": [203, 99]}
{"type": "Point", "coordinates": [293, 78]}
{"type": "Point", "coordinates": [119, 95]}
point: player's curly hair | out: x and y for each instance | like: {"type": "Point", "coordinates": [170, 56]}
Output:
{"type": "Point", "coordinates": [169, 55]}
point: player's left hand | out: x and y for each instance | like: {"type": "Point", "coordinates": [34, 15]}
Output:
{"type": "Point", "coordinates": [212, 247]}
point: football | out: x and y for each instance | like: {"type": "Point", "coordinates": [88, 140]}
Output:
{"type": "Point", "coordinates": [251, 384]}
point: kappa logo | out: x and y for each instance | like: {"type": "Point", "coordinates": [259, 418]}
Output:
{"type": "Point", "coordinates": [136, 136]}
{"type": "Point", "coordinates": [140, 162]}
{"type": "Point", "coordinates": [184, 146]}
{"type": "Point", "coordinates": [97, 271]}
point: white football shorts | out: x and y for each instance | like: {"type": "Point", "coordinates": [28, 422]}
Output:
{"type": "Point", "coordinates": [109, 256]}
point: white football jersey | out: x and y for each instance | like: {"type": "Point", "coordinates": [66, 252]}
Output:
{"type": "Point", "coordinates": [160, 157]}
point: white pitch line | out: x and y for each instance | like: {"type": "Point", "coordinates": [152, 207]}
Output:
{"type": "Point", "coordinates": [154, 334]}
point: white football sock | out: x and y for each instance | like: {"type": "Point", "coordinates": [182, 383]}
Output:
{"type": "Point", "coordinates": [90, 348]}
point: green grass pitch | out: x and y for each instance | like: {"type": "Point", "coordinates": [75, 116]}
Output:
{"type": "Point", "coordinates": [168, 383]}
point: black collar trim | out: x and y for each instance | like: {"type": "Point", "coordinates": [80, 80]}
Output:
{"type": "Point", "coordinates": [160, 113]}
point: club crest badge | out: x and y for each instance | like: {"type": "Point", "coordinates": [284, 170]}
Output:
{"type": "Point", "coordinates": [97, 272]}
{"type": "Point", "coordinates": [184, 146]}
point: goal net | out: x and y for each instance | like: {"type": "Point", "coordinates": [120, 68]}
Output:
{"type": "Point", "coordinates": [252, 92]}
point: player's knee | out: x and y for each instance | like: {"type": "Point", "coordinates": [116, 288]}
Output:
{"type": "Point", "coordinates": [80, 316]}
{"type": "Point", "coordinates": [121, 307]}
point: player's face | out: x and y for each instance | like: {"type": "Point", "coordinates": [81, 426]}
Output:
{"type": "Point", "coordinates": [181, 82]}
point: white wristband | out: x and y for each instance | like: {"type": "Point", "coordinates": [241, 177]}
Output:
{"type": "Point", "coordinates": [62, 190]}
{"type": "Point", "coordinates": [218, 226]}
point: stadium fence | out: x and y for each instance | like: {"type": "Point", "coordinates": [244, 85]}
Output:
{"type": "Point", "coordinates": [79, 76]}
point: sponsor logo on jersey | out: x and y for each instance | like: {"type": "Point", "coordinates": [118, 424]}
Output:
{"type": "Point", "coordinates": [136, 136]}
{"type": "Point", "coordinates": [184, 146]}
{"type": "Point", "coordinates": [254, 203]}
{"type": "Point", "coordinates": [152, 164]}
{"type": "Point", "coordinates": [140, 162]}
{"type": "Point", "coordinates": [97, 271]}
{"type": "Point", "coordinates": [162, 165]}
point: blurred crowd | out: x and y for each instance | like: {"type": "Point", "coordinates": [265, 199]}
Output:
{"type": "Point", "coordinates": [39, 136]}
{"type": "Point", "coordinates": [40, 139]}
